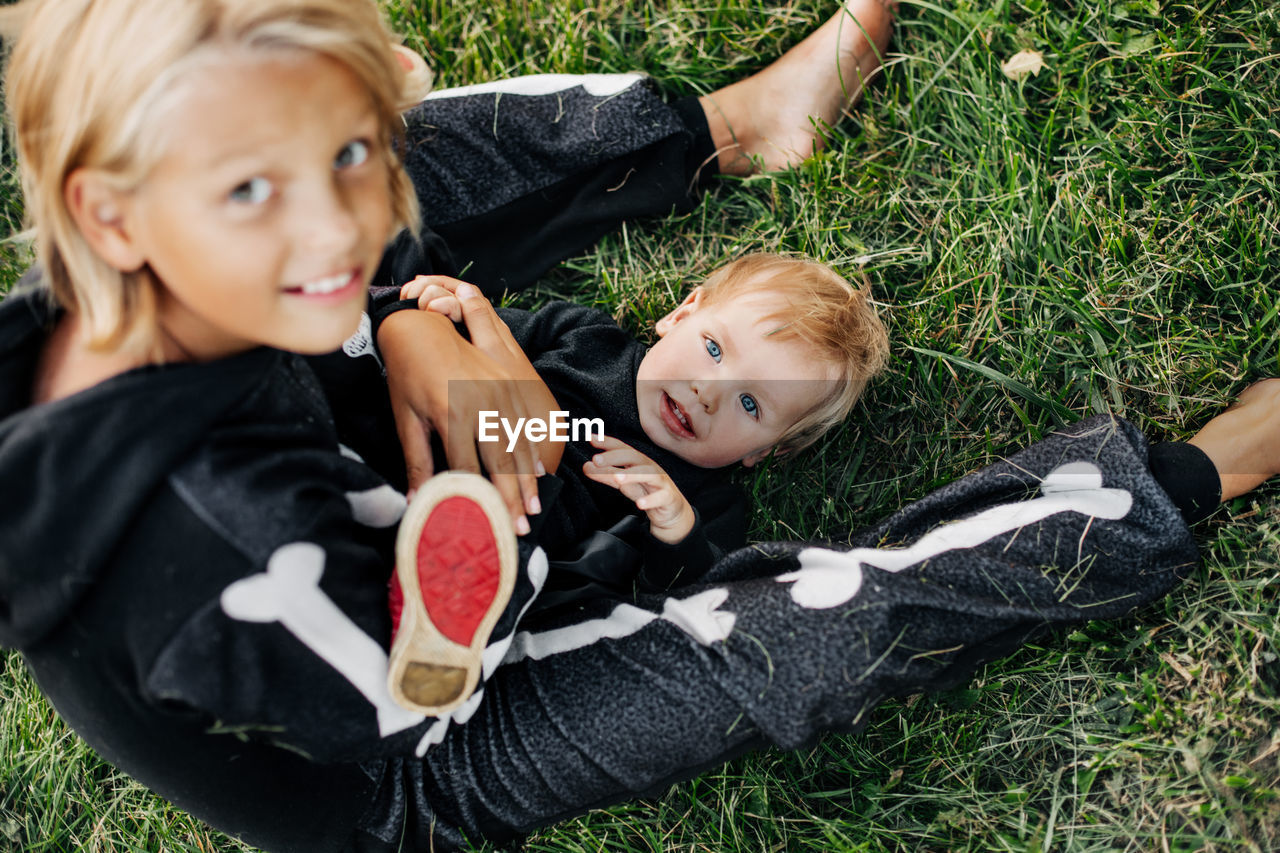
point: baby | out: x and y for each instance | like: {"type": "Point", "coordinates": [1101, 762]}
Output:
{"type": "Point", "coordinates": [763, 358]}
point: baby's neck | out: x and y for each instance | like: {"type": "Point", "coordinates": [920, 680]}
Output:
{"type": "Point", "coordinates": [68, 366]}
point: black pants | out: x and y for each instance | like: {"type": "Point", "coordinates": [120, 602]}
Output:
{"type": "Point", "coordinates": [515, 184]}
{"type": "Point", "coordinates": [782, 641]}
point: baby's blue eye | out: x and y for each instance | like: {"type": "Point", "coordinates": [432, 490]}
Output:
{"type": "Point", "coordinates": [352, 154]}
{"type": "Point", "coordinates": [252, 191]}
{"type": "Point", "coordinates": [713, 349]}
{"type": "Point", "coordinates": [750, 405]}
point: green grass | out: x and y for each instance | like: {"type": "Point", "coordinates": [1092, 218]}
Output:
{"type": "Point", "coordinates": [1102, 236]}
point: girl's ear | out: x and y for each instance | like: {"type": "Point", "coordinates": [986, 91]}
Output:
{"type": "Point", "coordinates": [100, 212]}
{"type": "Point", "coordinates": [684, 309]}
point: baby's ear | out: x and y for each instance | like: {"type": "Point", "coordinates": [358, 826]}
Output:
{"type": "Point", "coordinates": [761, 455]}
{"type": "Point", "coordinates": [100, 212]}
{"type": "Point", "coordinates": [684, 309]}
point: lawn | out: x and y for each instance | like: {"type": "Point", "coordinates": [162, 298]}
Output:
{"type": "Point", "coordinates": [1102, 236]}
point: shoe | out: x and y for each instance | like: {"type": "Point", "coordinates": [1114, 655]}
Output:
{"type": "Point", "coordinates": [455, 571]}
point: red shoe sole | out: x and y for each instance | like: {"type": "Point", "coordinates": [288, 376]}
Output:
{"type": "Point", "coordinates": [455, 571]}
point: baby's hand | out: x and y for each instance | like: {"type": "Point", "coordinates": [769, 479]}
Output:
{"type": "Point", "coordinates": [640, 479]}
{"type": "Point", "coordinates": [433, 294]}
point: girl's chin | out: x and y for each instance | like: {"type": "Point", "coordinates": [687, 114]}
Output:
{"type": "Point", "coordinates": [334, 336]}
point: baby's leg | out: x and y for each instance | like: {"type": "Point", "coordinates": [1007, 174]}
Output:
{"type": "Point", "coordinates": [790, 640]}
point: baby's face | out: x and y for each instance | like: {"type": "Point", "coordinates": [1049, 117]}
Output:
{"type": "Point", "coordinates": [268, 213]}
{"type": "Point", "coordinates": [718, 389]}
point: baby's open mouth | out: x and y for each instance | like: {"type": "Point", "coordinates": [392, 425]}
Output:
{"type": "Point", "coordinates": [677, 419]}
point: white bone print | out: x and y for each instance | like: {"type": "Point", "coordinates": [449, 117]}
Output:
{"type": "Point", "coordinates": [289, 593]}
{"type": "Point", "coordinates": [382, 506]}
{"type": "Point", "coordinates": [699, 616]}
{"type": "Point", "coordinates": [830, 578]}
{"type": "Point", "coordinates": [361, 341]}
{"type": "Point", "coordinates": [379, 507]}
{"type": "Point", "coordinates": [599, 85]}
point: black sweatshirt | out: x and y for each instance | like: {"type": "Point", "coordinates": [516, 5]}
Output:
{"type": "Point", "coordinates": [134, 506]}
{"type": "Point", "coordinates": [129, 509]}
{"type": "Point", "coordinates": [590, 365]}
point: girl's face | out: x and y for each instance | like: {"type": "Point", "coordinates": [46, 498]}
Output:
{"type": "Point", "coordinates": [269, 211]}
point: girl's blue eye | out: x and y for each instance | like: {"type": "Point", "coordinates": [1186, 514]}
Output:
{"type": "Point", "coordinates": [252, 191]}
{"type": "Point", "coordinates": [352, 154]}
{"type": "Point", "coordinates": [750, 405]}
{"type": "Point", "coordinates": [713, 349]}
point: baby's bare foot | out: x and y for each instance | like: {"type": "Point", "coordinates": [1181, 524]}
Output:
{"type": "Point", "coordinates": [1244, 441]}
{"type": "Point", "coordinates": [775, 118]}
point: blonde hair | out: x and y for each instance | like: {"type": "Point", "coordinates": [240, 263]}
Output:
{"type": "Point", "coordinates": [87, 81]}
{"type": "Point", "coordinates": [821, 309]}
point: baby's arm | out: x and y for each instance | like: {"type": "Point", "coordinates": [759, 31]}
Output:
{"type": "Point", "coordinates": [640, 479]}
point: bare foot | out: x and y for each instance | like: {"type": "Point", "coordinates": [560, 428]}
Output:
{"type": "Point", "coordinates": [1244, 441]}
{"type": "Point", "coordinates": [417, 76]}
{"type": "Point", "coordinates": [774, 118]}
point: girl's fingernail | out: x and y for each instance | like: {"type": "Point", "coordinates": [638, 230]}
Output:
{"type": "Point", "coordinates": [535, 505]}
{"type": "Point", "coordinates": [522, 526]}
{"type": "Point", "coordinates": [409, 496]}
{"type": "Point", "coordinates": [539, 468]}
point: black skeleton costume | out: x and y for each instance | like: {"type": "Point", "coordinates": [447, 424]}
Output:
{"type": "Point", "coordinates": [212, 617]}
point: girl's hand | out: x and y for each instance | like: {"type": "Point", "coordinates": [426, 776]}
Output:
{"type": "Point", "coordinates": [423, 352]}
{"type": "Point", "coordinates": [493, 337]}
{"type": "Point", "coordinates": [641, 479]}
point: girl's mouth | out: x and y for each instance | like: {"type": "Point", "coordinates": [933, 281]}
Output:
{"type": "Point", "coordinates": [675, 419]}
{"type": "Point", "coordinates": [332, 287]}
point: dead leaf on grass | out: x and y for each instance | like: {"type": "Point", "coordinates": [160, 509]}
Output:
{"type": "Point", "coordinates": [1022, 63]}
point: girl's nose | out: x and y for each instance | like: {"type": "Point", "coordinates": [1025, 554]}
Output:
{"type": "Point", "coordinates": [330, 225]}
